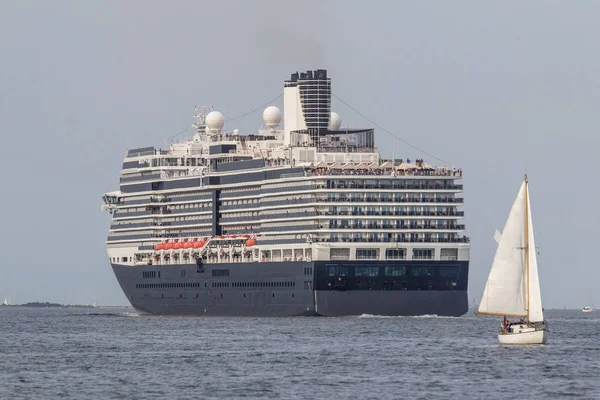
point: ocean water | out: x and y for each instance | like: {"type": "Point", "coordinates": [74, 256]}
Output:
{"type": "Point", "coordinates": [118, 354]}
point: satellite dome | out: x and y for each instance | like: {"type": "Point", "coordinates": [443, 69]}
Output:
{"type": "Point", "coordinates": [335, 121]}
{"type": "Point", "coordinates": [272, 117]}
{"type": "Point", "coordinates": [215, 121]}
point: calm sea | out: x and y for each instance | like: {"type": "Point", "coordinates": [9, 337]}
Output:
{"type": "Point", "coordinates": [118, 354]}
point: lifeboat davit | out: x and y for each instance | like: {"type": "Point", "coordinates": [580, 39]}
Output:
{"type": "Point", "coordinates": [250, 242]}
{"type": "Point", "coordinates": [170, 246]}
{"type": "Point", "coordinates": [179, 245]}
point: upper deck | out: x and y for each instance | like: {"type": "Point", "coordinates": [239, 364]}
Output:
{"type": "Point", "coordinates": [299, 187]}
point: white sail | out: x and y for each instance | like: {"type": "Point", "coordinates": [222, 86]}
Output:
{"type": "Point", "coordinates": [535, 298]}
{"type": "Point", "coordinates": [504, 292]}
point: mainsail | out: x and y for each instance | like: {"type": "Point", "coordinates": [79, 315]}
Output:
{"type": "Point", "coordinates": [535, 298]}
{"type": "Point", "coordinates": [505, 290]}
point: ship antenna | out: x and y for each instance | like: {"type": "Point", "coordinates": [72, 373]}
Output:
{"type": "Point", "coordinates": [200, 125]}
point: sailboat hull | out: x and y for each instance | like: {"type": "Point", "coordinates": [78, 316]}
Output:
{"type": "Point", "coordinates": [532, 337]}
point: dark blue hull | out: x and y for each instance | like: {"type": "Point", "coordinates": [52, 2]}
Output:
{"type": "Point", "coordinates": [297, 288]}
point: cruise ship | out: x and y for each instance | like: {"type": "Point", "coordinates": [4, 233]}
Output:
{"type": "Point", "coordinates": [303, 219]}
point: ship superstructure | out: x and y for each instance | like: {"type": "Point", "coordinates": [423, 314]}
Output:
{"type": "Point", "coordinates": [302, 220]}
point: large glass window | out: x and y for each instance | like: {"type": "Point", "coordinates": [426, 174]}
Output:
{"type": "Point", "coordinates": [422, 271]}
{"type": "Point", "coordinates": [366, 254]}
{"type": "Point", "coordinates": [395, 271]}
{"type": "Point", "coordinates": [338, 271]}
{"type": "Point", "coordinates": [395, 254]}
{"type": "Point", "coordinates": [423, 254]}
{"type": "Point", "coordinates": [448, 271]}
{"type": "Point", "coordinates": [366, 271]}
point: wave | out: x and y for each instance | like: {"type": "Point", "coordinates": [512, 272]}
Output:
{"type": "Point", "coordinates": [407, 316]}
{"type": "Point", "coordinates": [113, 314]}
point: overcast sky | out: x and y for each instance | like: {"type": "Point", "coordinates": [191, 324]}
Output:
{"type": "Point", "coordinates": [495, 88]}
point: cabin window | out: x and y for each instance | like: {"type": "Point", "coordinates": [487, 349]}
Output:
{"type": "Point", "coordinates": [366, 254]}
{"type": "Point", "coordinates": [395, 271]}
{"type": "Point", "coordinates": [338, 271]}
{"type": "Point", "coordinates": [366, 271]}
{"type": "Point", "coordinates": [448, 271]}
{"type": "Point", "coordinates": [423, 254]}
{"type": "Point", "coordinates": [422, 271]}
{"type": "Point", "coordinates": [395, 254]}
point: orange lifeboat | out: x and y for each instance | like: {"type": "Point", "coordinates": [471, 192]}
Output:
{"type": "Point", "coordinates": [188, 245]}
{"type": "Point", "coordinates": [179, 245]}
{"type": "Point", "coordinates": [199, 244]}
{"type": "Point", "coordinates": [250, 242]}
{"type": "Point", "coordinates": [158, 246]}
{"type": "Point", "coordinates": [170, 246]}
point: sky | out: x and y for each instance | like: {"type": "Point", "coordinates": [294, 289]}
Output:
{"type": "Point", "coordinates": [498, 89]}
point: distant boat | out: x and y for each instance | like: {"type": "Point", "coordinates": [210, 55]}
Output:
{"type": "Point", "coordinates": [589, 308]}
{"type": "Point", "coordinates": [513, 288]}
{"type": "Point", "coordinates": [7, 302]}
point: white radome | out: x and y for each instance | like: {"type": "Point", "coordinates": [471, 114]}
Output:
{"type": "Point", "coordinates": [272, 117]}
{"type": "Point", "coordinates": [215, 121]}
{"type": "Point", "coordinates": [335, 121]}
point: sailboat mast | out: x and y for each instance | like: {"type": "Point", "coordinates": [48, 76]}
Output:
{"type": "Point", "coordinates": [527, 243]}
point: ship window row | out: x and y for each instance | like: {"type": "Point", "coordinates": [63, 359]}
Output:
{"type": "Point", "coordinates": [238, 202]}
{"type": "Point", "coordinates": [295, 188]}
{"type": "Point", "coordinates": [241, 230]}
{"type": "Point", "coordinates": [287, 224]}
{"type": "Point", "coordinates": [120, 259]}
{"type": "Point", "coordinates": [129, 222]}
{"type": "Point", "coordinates": [190, 206]}
{"type": "Point", "coordinates": [220, 272]}
{"type": "Point", "coordinates": [391, 222]}
{"type": "Point", "coordinates": [263, 284]}
{"type": "Point", "coordinates": [376, 270]}
{"type": "Point", "coordinates": [170, 285]}
{"type": "Point", "coordinates": [134, 211]}
{"type": "Point", "coordinates": [150, 274]}
{"type": "Point", "coordinates": [179, 162]}
{"type": "Point", "coordinates": [286, 185]}
{"type": "Point", "coordinates": [276, 199]}
{"type": "Point", "coordinates": [382, 196]}
{"type": "Point", "coordinates": [393, 283]}
{"type": "Point", "coordinates": [390, 237]}
{"type": "Point", "coordinates": [394, 210]}
{"type": "Point", "coordinates": [128, 234]}
{"type": "Point", "coordinates": [138, 223]}
{"type": "Point", "coordinates": [237, 215]}
{"type": "Point", "coordinates": [173, 221]}
{"type": "Point", "coordinates": [240, 191]}
{"type": "Point", "coordinates": [392, 184]}
{"type": "Point", "coordinates": [291, 210]}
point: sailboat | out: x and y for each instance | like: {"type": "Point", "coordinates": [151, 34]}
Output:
{"type": "Point", "coordinates": [513, 288]}
{"type": "Point", "coordinates": [7, 302]}
{"type": "Point", "coordinates": [588, 308]}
